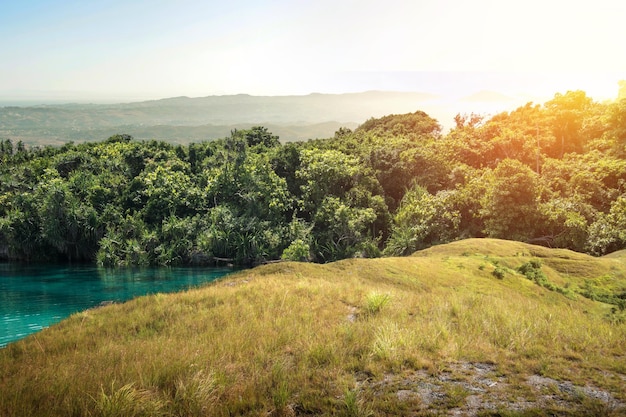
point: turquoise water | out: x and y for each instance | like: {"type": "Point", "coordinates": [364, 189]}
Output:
{"type": "Point", "coordinates": [34, 297]}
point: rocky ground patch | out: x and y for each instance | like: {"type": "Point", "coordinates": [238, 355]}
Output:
{"type": "Point", "coordinates": [474, 388]}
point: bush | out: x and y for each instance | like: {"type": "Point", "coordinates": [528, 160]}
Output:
{"type": "Point", "coordinates": [499, 272]}
{"type": "Point", "coordinates": [532, 271]}
{"type": "Point", "coordinates": [298, 250]}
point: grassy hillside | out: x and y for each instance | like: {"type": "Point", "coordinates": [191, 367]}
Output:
{"type": "Point", "coordinates": [455, 329]}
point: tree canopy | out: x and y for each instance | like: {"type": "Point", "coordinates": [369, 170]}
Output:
{"type": "Point", "coordinates": [553, 174]}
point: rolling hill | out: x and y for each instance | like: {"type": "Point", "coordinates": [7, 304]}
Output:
{"type": "Point", "coordinates": [184, 119]}
{"type": "Point", "coordinates": [475, 327]}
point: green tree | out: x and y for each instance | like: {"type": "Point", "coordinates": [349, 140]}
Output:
{"type": "Point", "coordinates": [262, 193]}
{"type": "Point", "coordinates": [608, 233]}
{"type": "Point", "coordinates": [510, 203]}
{"type": "Point", "coordinates": [257, 136]}
{"type": "Point", "coordinates": [615, 134]}
{"type": "Point", "coordinates": [326, 173]}
{"type": "Point", "coordinates": [423, 220]}
{"type": "Point", "coordinates": [564, 223]}
{"type": "Point", "coordinates": [127, 240]}
{"type": "Point", "coordinates": [416, 126]}
{"type": "Point", "coordinates": [165, 189]}
{"type": "Point", "coordinates": [339, 230]}
{"type": "Point", "coordinates": [285, 163]}
{"type": "Point", "coordinates": [568, 113]}
{"type": "Point", "coordinates": [69, 226]}
{"type": "Point", "coordinates": [341, 197]}
{"type": "Point", "coordinates": [20, 230]}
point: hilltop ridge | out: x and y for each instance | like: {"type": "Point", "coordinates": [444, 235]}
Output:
{"type": "Point", "coordinates": [193, 119]}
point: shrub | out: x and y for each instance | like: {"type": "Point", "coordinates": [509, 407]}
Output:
{"type": "Point", "coordinates": [532, 271]}
{"type": "Point", "coordinates": [499, 272]}
{"type": "Point", "coordinates": [298, 250]}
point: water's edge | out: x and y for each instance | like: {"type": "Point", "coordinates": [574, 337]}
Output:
{"type": "Point", "coordinates": [33, 297]}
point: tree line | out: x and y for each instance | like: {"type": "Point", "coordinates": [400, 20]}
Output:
{"type": "Point", "coordinates": [552, 174]}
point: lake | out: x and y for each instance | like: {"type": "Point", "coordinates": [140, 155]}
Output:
{"type": "Point", "coordinates": [33, 297]}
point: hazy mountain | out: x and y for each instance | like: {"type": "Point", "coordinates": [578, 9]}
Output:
{"type": "Point", "coordinates": [185, 119]}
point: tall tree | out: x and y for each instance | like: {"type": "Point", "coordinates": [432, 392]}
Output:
{"type": "Point", "coordinates": [510, 203]}
{"type": "Point", "coordinates": [568, 112]}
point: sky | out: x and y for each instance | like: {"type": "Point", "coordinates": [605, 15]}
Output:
{"type": "Point", "coordinates": [138, 49]}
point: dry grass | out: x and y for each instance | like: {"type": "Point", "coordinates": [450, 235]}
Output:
{"type": "Point", "coordinates": [296, 339]}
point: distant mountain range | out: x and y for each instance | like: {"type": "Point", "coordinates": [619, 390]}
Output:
{"type": "Point", "coordinates": [185, 119]}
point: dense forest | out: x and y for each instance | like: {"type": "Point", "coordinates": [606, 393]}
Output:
{"type": "Point", "coordinates": [551, 174]}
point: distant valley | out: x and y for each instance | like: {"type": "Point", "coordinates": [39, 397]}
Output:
{"type": "Point", "coordinates": [184, 120]}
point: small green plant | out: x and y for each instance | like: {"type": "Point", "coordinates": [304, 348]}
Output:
{"type": "Point", "coordinates": [126, 401]}
{"type": "Point", "coordinates": [375, 301]}
{"type": "Point", "coordinates": [280, 389]}
{"type": "Point", "coordinates": [369, 249]}
{"type": "Point", "coordinates": [594, 290]}
{"type": "Point", "coordinates": [321, 355]}
{"type": "Point", "coordinates": [617, 316]}
{"type": "Point", "coordinates": [499, 272]}
{"type": "Point", "coordinates": [194, 396]}
{"type": "Point", "coordinates": [354, 406]}
{"type": "Point", "coordinates": [532, 271]}
{"type": "Point", "coordinates": [455, 395]}
{"type": "Point", "coordinates": [387, 340]}
{"type": "Point", "coordinates": [280, 396]}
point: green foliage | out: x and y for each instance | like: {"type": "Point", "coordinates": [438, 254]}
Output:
{"type": "Point", "coordinates": [375, 302]}
{"type": "Point", "coordinates": [354, 406]}
{"type": "Point", "coordinates": [509, 206]}
{"type": "Point", "coordinates": [608, 232]}
{"type": "Point", "coordinates": [68, 225]}
{"type": "Point", "coordinates": [532, 271]}
{"type": "Point", "coordinates": [416, 125]}
{"type": "Point", "coordinates": [327, 173]}
{"type": "Point", "coordinates": [298, 250]}
{"type": "Point", "coordinates": [568, 113]}
{"type": "Point", "coordinates": [552, 174]}
{"type": "Point", "coordinates": [424, 220]}
{"type": "Point", "coordinates": [257, 136]}
{"type": "Point", "coordinates": [595, 290]}
{"type": "Point", "coordinates": [499, 272]}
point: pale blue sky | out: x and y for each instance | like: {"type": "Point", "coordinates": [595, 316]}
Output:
{"type": "Point", "coordinates": [136, 49]}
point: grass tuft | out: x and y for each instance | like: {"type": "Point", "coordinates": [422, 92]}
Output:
{"type": "Point", "coordinates": [375, 301]}
{"type": "Point", "coordinates": [354, 405]}
{"type": "Point", "coordinates": [127, 401]}
{"type": "Point", "coordinates": [195, 396]}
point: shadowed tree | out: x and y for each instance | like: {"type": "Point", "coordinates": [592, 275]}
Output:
{"type": "Point", "coordinates": [509, 205]}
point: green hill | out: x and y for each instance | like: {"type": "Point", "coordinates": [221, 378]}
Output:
{"type": "Point", "coordinates": [456, 329]}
